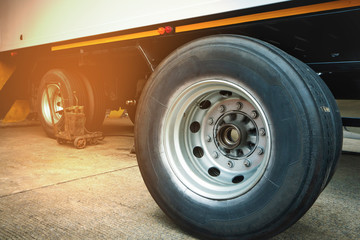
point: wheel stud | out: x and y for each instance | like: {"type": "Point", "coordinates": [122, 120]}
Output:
{"type": "Point", "coordinates": [254, 114]}
{"type": "Point", "coordinates": [215, 155]}
{"type": "Point", "coordinates": [210, 121]}
{"type": "Point", "coordinates": [208, 139]}
{"type": "Point", "coordinates": [247, 163]}
{"type": "Point", "coordinates": [230, 164]}
{"type": "Point", "coordinates": [239, 105]}
{"type": "Point", "coordinates": [222, 108]}
{"type": "Point", "coordinates": [262, 131]}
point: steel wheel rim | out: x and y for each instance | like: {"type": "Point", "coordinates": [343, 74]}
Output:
{"type": "Point", "coordinates": [216, 139]}
{"type": "Point", "coordinates": [51, 93]}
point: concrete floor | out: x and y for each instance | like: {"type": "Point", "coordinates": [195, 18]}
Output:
{"type": "Point", "coordinates": [52, 191]}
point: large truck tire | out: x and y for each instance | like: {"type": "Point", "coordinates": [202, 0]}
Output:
{"type": "Point", "coordinates": [63, 88]}
{"type": "Point", "coordinates": [95, 105]}
{"type": "Point", "coordinates": [236, 139]}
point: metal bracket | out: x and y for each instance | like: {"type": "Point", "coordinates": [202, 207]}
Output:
{"type": "Point", "coordinates": [146, 57]}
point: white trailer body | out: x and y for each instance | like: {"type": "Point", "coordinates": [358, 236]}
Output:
{"type": "Point", "coordinates": [237, 130]}
{"type": "Point", "coordinates": [40, 21]}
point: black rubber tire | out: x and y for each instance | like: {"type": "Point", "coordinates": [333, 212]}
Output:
{"type": "Point", "coordinates": [333, 122]}
{"type": "Point", "coordinates": [71, 82]}
{"type": "Point", "coordinates": [305, 145]}
{"type": "Point", "coordinates": [131, 110]}
{"type": "Point", "coordinates": [95, 108]}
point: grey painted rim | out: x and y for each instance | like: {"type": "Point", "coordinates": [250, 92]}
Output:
{"type": "Point", "coordinates": [216, 139]}
{"type": "Point", "coordinates": [51, 98]}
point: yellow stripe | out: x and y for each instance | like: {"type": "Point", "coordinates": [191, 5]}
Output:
{"type": "Point", "coordinates": [270, 15]}
{"type": "Point", "coordinates": [106, 40]}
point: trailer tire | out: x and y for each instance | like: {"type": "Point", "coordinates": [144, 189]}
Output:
{"type": "Point", "coordinates": [67, 88]}
{"type": "Point", "coordinates": [131, 113]}
{"type": "Point", "coordinates": [236, 139]}
{"type": "Point", "coordinates": [95, 108]}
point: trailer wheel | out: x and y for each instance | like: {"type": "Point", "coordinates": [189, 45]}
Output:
{"type": "Point", "coordinates": [131, 110]}
{"type": "Point", "coordinates": [236, 138]}
{"type": "Point", "coordinates": [60, 88]}
{"type": "Point", "coordinates": [95, 106]}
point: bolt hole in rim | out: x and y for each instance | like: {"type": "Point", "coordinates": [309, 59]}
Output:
{"type": "Point", "coordinates": [56, 103]}
{"type": "Point", "coordinates": [210, 136]}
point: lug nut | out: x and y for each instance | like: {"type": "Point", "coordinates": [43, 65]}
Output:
{"type": "Point", "coordinates": [239, 105]}
{"type": "Point", "coordinates": [230, 164]}
{"type": "Point", "coordinates": [260, 151]}
{"type": "Point", "coordinates": [215, 155]}
{"type": "Point", "coordinates": [247, 163]}
{"type": "Point", "coordinates": [208, 139]}
{"type": "Point", "coordinates": [262, 131]}
{"type": "Point", "coordinates": [210, 121]}
{"type": "Point", "coordinates": [254, 114]}
{"type": "Point", "coordinates": [222, 108]}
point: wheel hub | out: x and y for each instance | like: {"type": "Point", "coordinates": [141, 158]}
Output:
{"type": "Point", "coordinates": [229, 137]}
{"type": "Point", "coordinates": [235, 134]}
{"type": "Point", "coordinates": [51, 103]}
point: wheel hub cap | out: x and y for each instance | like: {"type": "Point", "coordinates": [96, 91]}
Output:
{"type": "Point", "coordinates": [51, 101]}
{"type": "Point", "coordinates": [229, 137]}
{"type": "Point", "coordinates": [235, 134]}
